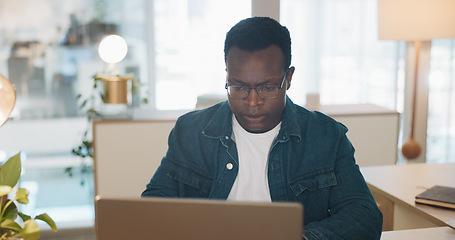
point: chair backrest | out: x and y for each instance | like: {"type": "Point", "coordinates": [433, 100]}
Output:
{"type": "Point", "coordinates": [127, 154]}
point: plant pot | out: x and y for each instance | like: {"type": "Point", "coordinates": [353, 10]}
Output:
{"type": "Point", "coordinates": [115, 90]}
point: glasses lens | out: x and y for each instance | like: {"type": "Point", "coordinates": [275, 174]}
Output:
{"type": "Point", "coordinates": [241, 92]}
{"type": "Point", "coordinates": [237, 91]}
{"type": "Point", "coordinates": [267, 92]}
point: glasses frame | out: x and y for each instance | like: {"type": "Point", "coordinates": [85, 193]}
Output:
{"type": "Point", "coordinates": [279, 86]}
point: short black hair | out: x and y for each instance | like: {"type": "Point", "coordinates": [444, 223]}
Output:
{"type": "Point", "coordinates": [258, 33]}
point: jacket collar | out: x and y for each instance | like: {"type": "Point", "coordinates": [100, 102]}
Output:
{"type": "Point", "coordinates": [220, 125]}
{"type": "Point", "coordinates": [289, 124]}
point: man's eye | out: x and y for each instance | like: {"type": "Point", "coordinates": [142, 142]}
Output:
{"type": "Point", "coordinates": [237, 88]}
{"type": "Point", "coordinates": [268, 88]}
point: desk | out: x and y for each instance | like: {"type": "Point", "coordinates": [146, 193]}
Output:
{"type": "Point", "coordinates": [439, 233]}
{"type": "Point", "coordinates": [395, 187]}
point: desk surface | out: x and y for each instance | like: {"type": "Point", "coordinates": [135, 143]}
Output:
{"type": "Point", "coordinates": [439, 233]}
{"type": "Point", "coordinates": [402, 183]}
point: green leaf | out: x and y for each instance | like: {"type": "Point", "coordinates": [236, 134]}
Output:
{"type": "Point", "coordinates": [11, 171]}
{"type": "Point", "coordinates": [44, 217]}
{"type": "Point", "coordinates": [31, 230]}
{"type": "Point", "coordinates": [84, 103]}
{"type": "Point", "coordinates": [87, 144]}
{"type": "Point", "coordinates": [22, 195]}
{"type": "Point", "coordinates": [24, 217]}
{"type": "Point", "coordinates": [10, 224]}
{"type": "Point", "coordinates": [5, 189]}
{"type": "Point", "coordinates": [11, 211]}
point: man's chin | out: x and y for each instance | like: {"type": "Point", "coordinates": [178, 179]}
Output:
{"type": "Point", "coordinates": [254, 128]}
{"type": "Point", "coordinates": [253, 124]}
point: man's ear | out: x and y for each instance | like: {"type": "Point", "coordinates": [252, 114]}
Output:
{"type": "Point", "coordinates": [289, 77]}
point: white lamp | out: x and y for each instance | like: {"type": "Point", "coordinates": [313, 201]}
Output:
{"type": "Point", "coordinates": [113, 49]}
{"type": "Point", "coordinates": [416, 20]}
{"type": "Point", "coordinates": [7, 99]}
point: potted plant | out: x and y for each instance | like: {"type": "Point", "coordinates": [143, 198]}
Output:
{"type": "Point", "coordinates": [10, 227]}
{"type": "Point", "coordinates": [106, 89]}
{"type": "Point", "coordinates": [115, 88]}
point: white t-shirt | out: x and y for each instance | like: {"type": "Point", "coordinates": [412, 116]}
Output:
{"type": "Point", "coordinates": [253, 150]}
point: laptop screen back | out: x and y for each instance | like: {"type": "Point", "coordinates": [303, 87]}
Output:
{"type": "Point", "coordinates": [176, 219]}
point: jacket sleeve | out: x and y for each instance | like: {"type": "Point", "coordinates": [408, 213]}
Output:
{"type": "Point", "coordinates": [161, 185]}
{"type": "Point", "coordinates": [353, 213]}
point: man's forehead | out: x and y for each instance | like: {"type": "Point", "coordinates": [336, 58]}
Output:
{"type": "Point", "coordinates": [236, 49]}
{"type": "Point", "coordinates": [271, 56]}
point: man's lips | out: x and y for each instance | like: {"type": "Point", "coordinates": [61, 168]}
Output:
{"type": "Point", "coordinates": [254, 119]}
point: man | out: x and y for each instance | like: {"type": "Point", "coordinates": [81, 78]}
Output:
{"type": "Point", "coordinates": [259, 146]}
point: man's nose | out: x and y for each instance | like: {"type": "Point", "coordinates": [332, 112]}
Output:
{"type": "Point", "coordinates": [253, 98]}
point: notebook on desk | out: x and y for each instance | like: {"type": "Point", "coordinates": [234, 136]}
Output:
{"type": "Point", "coordinates": [440, 196]}
{"type": "Point", "coordinates": [176, 219]}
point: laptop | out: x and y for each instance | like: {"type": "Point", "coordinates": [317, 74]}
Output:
{"type": "Point", "coordinates": [177, 219]}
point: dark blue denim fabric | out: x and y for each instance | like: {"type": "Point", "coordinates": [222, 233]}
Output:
{"type": "Point", "coordinates": [311, 162]}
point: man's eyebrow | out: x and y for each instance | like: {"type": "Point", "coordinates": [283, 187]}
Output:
{"type": "Point", "coordinates": [236, 81]}
{"type": "Point", "coordinates": [240, 82]}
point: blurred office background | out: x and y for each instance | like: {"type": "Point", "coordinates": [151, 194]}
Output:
{"type": "Point", "coordinates": [48, 50]}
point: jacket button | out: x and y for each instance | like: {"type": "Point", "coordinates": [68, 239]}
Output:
{"type": "Point", "coordinates": [229, 166]}
{"type": "Point", "coordinates": [226, 137]}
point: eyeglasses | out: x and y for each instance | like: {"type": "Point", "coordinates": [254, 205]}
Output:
{"type": "Point", "coordinates": [264, 91]}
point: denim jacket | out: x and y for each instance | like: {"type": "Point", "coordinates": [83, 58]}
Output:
{"type": "Point", "coordinates": [311, 162]}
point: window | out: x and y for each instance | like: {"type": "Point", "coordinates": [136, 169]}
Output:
{"type": "Point", "coordinates": [48, 50]}
{"type": "Point", "coordinates": [441, 102]}
{"type": "Point", "coordinates": [337, 54]}
{"type": "Point", "coordinates": [52, 56]}
{"type": "Point", "coordinates": [189, 43]}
